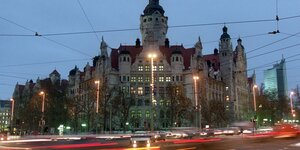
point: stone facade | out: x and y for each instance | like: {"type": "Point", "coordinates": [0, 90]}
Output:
{"type": "Point", "coordinates": [222, 75]}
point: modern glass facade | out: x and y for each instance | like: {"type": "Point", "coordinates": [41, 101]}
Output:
{"type": "Point", "coordinates": [275, 79]}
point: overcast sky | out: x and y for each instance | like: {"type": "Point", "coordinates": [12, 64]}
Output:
{"type": "Point", "coordinates": [24, 56]}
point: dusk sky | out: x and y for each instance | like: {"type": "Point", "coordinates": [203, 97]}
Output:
{"type": "Point", "coordinates": [25, 56]}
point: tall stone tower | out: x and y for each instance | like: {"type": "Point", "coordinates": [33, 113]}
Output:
{"type": "Point", "coordinates": [226, 68]}
{"type": "Point", "coordinates": [153, 25]}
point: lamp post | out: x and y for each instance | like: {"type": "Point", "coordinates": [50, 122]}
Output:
{"type": "Point", "coordinates": [42, 93]}
{"type": "Point", "coordinates": [254, 103]}
{"type": "Point", "coordinates": [152, 56]}
{"type": "Point", "coordinates": [291, 102]}
{"type": "Point", "coordinates": [196, 103]}
{"type": "Point", "coordinates": [254, 97]}
{"type": "Point", "coordinates": [97, 103]}
{"type": "Point", "coordinates": [12, 114]}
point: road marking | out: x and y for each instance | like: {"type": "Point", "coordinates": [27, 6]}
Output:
{"type": "Point", "coordinates": [187, 148]}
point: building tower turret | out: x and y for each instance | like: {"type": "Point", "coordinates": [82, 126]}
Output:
{"type": "Point", "coordinates": [198, 48]}
{"type": "Point", "coordinates": [177, 64]}
{"type": "Point", "coordinates": [124, 65]}
{"type": "Point", "coordinates": [153, 25]}
{"type": "Point", "coordinates": [103, 48]}
{"type": "Point", "coordinates": [226, 68]}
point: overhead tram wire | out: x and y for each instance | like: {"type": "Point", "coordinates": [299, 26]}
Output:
{"type": "Point", "coordinates": [42, 63]}
{"type": "Point", "coordinates": [175, 26]}
{"type": "Point", "coordinates": [134, 29]}
{"type": "Point", "coordinates": [242, 37]}
{"type": "Point", "coordinates": [277, 41]}
{"type": "Point", "coordinates": [88, 19]}
{"type": "Point", "coordinates": [68, 47]}
{"type": "Point", "coordinates": [25, 28]}
{"type": "Point", "coordinates": [38, 35]}
{"type": "Point", "coordinates": [274, 51]}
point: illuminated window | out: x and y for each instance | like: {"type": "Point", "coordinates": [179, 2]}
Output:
{"type": "Point", "coordinates": [139, 114]}
{"type": "Point", "coordinates": [147, 79]}
{"type": "Point", "coordinates": [140, 68]}
{"type": "Point", "coordinates": [147, 114]}
{"type": "Point", "coordinates": [140, 79]}
{"type": "Point", "coordinates": [147, 68]}
{"type": "Point", "coordinates": [177, 91]}
{"type": "Point", "coordinates": [161, 68]}
{"type": "Point", "coordinates": [154, 68]}
{"type": "Point", "coordinates": [132, 114]}
{"type": "Point", "coordinates": [140, 91]}
{"type": "Point", "coordinates": [132, 90]}
{"type": "Point", "coordinates": [161, 79]}
{"type": "Point", "coordinates": [168, 79]}
{"type": "Point", "coordinates": [161, 102]}
{"type": "Point", "coordinates": [167, 103]}
{"type": "Point", "coordinates": [133, 79]}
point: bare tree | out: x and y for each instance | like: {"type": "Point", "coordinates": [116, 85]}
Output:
{"type": "Point", "coordinates": [179, 105]}
{"type": "Point", "coordinates": [122, 103]}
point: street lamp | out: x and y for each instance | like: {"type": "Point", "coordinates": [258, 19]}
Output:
{"type": "Point", "coordinates": [97, 103]}
{"type": "Point", "coordinates": [291, 101]}
{"type": "Point", "coordinates": [152, 56]}
{"type": "Point", "coordinates": [98, 88]}
{"type": "Point", "coordinates": [254, 97]}
{"type": "Point", "coordinates": [12, 114]}
{"type": "Point", "coordinates": [42, 93]}
{"type": "Point", "coordinates": [196, 103]}
{"type": "Point", "coordinates": [254, 102]}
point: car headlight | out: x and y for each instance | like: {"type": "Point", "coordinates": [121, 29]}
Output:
{"type": "Point", "coordinates": [2, 139]}
{"type": "Point", "coordinates": [134, 145]}
{"type": "Point", "coordinates": [148, 143]}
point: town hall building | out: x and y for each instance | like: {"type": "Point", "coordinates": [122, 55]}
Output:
{"type": "Point", "coordinates": [158, 76]}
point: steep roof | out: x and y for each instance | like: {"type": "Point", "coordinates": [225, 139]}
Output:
{"type": "Point", "coordinates": [214, 59]}
{"type": "Point", "coordinates": [55, 72]}
{"type": "Point", "coordinates": [134, 51]}
{"type": "Point", "coordinates": [152, 7]}
{"type": "Point", "coordinates": [131, 50]}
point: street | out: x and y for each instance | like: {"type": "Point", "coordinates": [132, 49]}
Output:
{"type": "Point", "coordinates": [214, 143]}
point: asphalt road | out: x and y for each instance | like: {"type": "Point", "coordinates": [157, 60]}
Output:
{"type": "Point", "coordinates": [215, 143]}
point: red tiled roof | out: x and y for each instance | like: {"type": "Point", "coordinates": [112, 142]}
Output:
{"type": "Point", "coordinates": [133, 50]}
{"type": "Point", "coordinates": [166, 51]}
{"type": "Point", "coordinates": [213, 58]}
